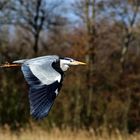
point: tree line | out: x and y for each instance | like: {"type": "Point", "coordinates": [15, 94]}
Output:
{"type": "Point", "coordinates": [104, 34]}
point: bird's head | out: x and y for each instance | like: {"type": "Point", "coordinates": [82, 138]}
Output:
{"type": "Point", "coordinates": [66, 62]}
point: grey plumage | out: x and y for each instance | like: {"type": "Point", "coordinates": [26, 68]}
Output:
{"type": "Point", "coordinates": [44, 76]}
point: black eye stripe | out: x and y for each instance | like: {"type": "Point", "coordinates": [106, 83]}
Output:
{"type": "Point", "coordinates": [66, 58]}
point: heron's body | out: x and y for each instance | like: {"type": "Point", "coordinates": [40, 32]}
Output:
{"type": "Point", "coordinates": [44, 76]}
{"type": "Point", "coordinates": [45, 66]}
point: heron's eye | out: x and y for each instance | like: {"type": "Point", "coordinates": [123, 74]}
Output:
{"type": "Point", "coordinates": [71, 60]}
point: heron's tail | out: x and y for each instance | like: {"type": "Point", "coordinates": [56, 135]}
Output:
{"type": "Point", "coordinates": [8, 65]}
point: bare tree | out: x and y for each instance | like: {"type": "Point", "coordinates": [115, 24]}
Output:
{"type": "Point", "coordinates": [85, 10]}
{"type": "Point", "coordinates": [3, 4]}
{"type": "Point", "coordinates": [35, 16]}
{"type": "Point", "coordinates": [125, 14]}
{"type": "Point", "coordinates": [121, 14]}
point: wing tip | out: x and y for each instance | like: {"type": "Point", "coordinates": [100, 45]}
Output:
{"type": "Point", "coordinates": [38, 117]}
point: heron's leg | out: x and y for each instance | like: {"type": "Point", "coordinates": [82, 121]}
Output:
{"type": "Point", "coordinates": [8, 65]}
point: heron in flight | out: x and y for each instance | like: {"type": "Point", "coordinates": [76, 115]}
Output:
{"type": "Point", "coordinates": [44, 76]}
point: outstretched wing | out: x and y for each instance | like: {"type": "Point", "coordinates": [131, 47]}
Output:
{"type": "Point", "coordinates": [43, 90]}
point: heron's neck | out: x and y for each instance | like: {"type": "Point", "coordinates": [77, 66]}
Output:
{"type": "Point", "coordinates": [63, 66]}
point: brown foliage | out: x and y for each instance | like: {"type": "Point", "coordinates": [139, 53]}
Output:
{"type": "Point", "coordinates": [105, 92]}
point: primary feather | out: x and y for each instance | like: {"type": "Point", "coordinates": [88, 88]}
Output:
{"type": "Point", "coordinates": [44, 76]}
{"type": "Point", "coordinates": [44, 83]}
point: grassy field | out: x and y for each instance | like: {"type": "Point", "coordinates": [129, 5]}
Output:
{"type": "Point", "coordinates": [56, 134]}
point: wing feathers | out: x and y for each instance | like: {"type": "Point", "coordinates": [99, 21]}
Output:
{"type": "Point", "coordinates": [44, 76]}
{"type": "Point", "coordinates": [41, 96]}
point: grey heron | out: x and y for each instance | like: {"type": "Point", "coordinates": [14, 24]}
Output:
{"type": "Point", "coordinates": [44, 76]}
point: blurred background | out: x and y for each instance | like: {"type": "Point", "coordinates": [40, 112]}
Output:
{"type": "Point", "coordinates": [103, 33]}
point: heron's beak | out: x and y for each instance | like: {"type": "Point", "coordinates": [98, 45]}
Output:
{"type": "Point", "coordinates": [77, 63]}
